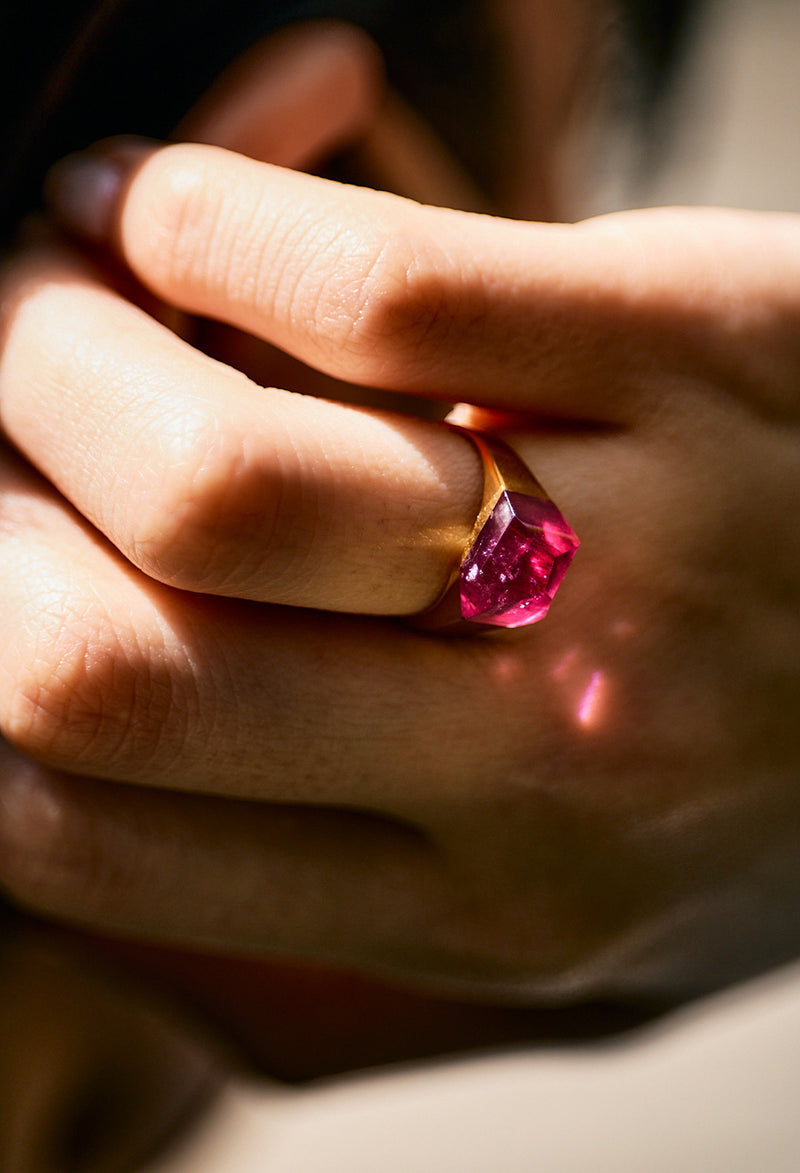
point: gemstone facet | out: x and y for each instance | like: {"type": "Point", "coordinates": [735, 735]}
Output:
{"type": "Point", "coordinates": [514, 567]}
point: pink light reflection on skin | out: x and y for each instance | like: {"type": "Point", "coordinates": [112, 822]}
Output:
{"type": "Point", "coordinates": [591, 702]}
{"type": "Point", "coordinates": [570, 673]}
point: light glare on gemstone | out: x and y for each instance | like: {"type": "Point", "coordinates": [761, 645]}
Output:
{"type": "Point", "coordinates": [514, 567]}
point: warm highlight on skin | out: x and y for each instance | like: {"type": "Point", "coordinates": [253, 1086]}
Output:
{"type": "Point", "coordinates": [572, 812]}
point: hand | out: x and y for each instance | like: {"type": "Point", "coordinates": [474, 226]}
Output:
{"type": "Point", "coordinates": [294, 99]}
{"type": "Point", "coordinates": [606, 803]}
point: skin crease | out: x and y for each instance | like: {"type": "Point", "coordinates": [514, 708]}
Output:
{"type": "Point", "coordinates": [83, 1014]}
{"type": "Point", "coordinates": [95, 1071]}
{"type": "Point", "coordinates": [603, 805]}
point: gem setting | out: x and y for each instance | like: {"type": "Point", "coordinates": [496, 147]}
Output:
{"type": "Point", "coordinates": [513, 568]}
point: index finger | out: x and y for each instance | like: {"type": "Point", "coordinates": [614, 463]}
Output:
{"type": "Point", "coordinates": [565, 320]}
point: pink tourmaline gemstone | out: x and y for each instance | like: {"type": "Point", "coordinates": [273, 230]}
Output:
{"type": "Point", "coordinates": [516, 564]}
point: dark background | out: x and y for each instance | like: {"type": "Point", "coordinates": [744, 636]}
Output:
{"type": "Point", "coordinates": [74, 71]}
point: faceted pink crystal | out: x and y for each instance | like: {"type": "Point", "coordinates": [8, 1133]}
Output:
{"type": "Point", "coordinates": [516, 563]}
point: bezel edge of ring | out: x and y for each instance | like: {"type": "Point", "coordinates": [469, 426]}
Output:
{"type": "Point", "coordinates": [509, 474]}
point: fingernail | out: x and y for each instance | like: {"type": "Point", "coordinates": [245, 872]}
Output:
{"type": "Point", "coordinates": [83, 190]}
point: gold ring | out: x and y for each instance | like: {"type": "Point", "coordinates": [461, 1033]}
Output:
{"type": "Point", "coordinates": [517, 555]}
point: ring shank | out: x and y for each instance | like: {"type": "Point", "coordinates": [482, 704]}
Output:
{"type": "Point", "coordinates": [503, 472]}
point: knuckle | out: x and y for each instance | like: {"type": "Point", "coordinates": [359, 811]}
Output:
{"type": "Point", "coordinates": [384, 287]}
{"type": "Point", "coordinates": [373, 291]}
{"type": "Point", "coordinates": [391, 311]}
{"type": "Point", "coordinates": [193, 530]}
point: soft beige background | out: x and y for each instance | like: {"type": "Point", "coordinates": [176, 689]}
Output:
{"type": "Point", "coordinates": [715, 1091]}
{"type": "Point", "coordinates": [717, 1088]}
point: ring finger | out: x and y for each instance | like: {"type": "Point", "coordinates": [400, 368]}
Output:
{"type": "Point", "coordinates": [106, 672]}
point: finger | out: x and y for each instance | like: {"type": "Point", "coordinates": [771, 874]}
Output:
{"type": "Point", "coordinates": [332, 886]}
{"type": "Point", "coordinates": [105, 672]}
{"type": "Point", "coordinates": [588, 319]}
{"type": "Point", "coordinates": [302, 879]}
{"type": "Point", "coordinates": [208, 483]}
{"type": "Point", "coordinates": [301, 93]}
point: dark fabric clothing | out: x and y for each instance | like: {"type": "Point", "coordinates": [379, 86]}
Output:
{"type": "Point", "coordinates": [78, 70]}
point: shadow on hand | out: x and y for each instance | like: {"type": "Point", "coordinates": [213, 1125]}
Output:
{"type": "Point", "coordinates": [95, 1074]}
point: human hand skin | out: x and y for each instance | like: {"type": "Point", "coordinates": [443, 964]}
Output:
{"type": "Point", "coordinates": [604, 804]}
{"type": "Point", "coordinates": [294, 99]}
